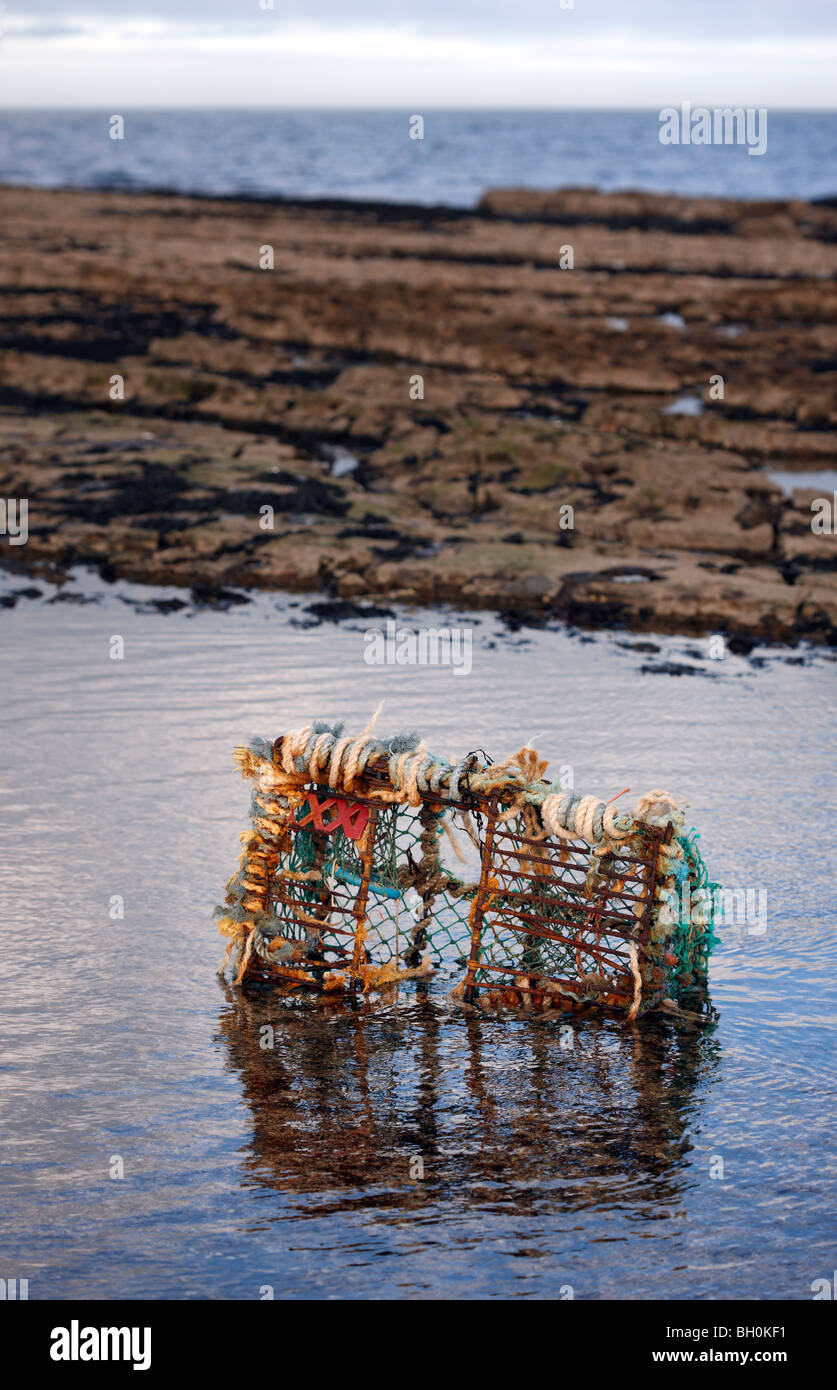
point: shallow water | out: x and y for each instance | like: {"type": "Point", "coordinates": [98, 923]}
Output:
{"type": "Point", "coordinates": [789, 481]}
{"type": "Point", "coordinates": [545, 1167]}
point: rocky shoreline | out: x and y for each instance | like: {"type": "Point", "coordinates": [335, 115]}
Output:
{"type": "Point", "coordinates": [435, 406]}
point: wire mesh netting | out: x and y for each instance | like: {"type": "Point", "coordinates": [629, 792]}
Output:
{"type": "Point", "coordinates": [401, 921]}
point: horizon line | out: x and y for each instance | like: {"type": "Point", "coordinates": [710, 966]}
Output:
{"type": "Point", "coordinates": [402, 107]}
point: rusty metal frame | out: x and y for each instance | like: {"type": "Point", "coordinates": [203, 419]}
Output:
{"type": "Point", "coordinates": [362, 895]}
{"type": "Point", "coordinates": [517, 913]}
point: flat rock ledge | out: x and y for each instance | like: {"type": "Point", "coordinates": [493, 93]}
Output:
{"type": "Point", "coordinates": [515, 408]}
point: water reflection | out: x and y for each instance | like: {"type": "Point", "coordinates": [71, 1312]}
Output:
{"type": "Point", "coordinates": [352, 1102]}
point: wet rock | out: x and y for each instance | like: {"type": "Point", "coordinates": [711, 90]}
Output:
{"type": "Point", "coordinates": [214, 473]}
{"type": "Point", "coordinates": [216, 596]}
{"type": "Point", "coordinates": [741, 645]}
{"type": "Point", "coordinates": [339, 610]}
{"type": "Point", "coordinates": [673, 668]}
{"type": "Point", "coordinates": [80, 599]}
{"type": "Point", "coordinates": [167, 605]}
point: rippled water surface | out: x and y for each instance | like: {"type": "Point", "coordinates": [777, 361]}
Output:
{"type": "Point", "coordinates": [368, 154]}
{"type": "Point", "coordinates": [544, 1167]}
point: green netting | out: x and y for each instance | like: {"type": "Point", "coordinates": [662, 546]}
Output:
{"type": "Point", "coordinates": [691, 913]}
{"type": "Point", "coordinates": [414, 902]}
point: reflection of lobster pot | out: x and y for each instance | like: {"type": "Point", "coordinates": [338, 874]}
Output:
{"type": "Point", "coordinates": [549, 902]}
{"type": "Point", "coordinates": [342, 1121]}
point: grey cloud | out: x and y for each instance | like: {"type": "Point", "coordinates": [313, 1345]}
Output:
{"type": "Point", "coordinates": [44, 28]}
{"type": "Point", "coordinates": [719, 19]}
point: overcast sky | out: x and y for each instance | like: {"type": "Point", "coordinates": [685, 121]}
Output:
{"type": "Point", "coordinates": [418, 53]}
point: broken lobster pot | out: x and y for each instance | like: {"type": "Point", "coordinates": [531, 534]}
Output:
{"type": "Point", "coordinates": [559, 902]}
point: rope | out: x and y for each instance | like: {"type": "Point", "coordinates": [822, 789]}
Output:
{"type": "Point", "coordinates": [634, 1009]}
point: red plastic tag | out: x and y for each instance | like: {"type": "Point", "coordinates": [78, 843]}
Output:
{"type": "Point", "coordinates": [350, 816]}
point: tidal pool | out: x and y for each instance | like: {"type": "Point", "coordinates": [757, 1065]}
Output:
{"type": "Point", "coordinates": [399, 1149]}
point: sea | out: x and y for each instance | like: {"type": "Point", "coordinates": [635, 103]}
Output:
{"type": "Point", "coordinates": [371, 155]}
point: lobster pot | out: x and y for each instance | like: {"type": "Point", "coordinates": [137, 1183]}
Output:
{"type": "Point", "coordinates": [354, 888]}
